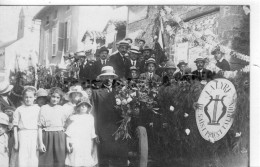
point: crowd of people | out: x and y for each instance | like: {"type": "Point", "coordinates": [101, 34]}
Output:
{"type": "Point", "coordinates": [53, 128]}
{"type": "Point", "coordinates": [140, 62]}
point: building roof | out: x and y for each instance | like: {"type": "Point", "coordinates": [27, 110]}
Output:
{"type": "Point", "coordinates": [5, 44]}
{"type": "Point", "coordinates": [92, 34]}
{"type": "Point", "coordinates": [42, 12]}
{"type": "Point", "coordinates": [118, 24]}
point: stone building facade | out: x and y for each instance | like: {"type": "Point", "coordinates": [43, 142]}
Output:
{"type": "Point", "coordinates": [228, 25]}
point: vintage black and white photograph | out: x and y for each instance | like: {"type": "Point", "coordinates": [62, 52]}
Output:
{"type": "Point", "coordinates": [125, 85]}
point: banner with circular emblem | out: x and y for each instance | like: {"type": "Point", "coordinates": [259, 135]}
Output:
{"type": "Point", "coordinates": [217, 103]}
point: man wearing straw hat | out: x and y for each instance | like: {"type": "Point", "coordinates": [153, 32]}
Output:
{"type": "Point", "coordinates": [201, 73]}
{"type": "Point", "coordinates": [150, 74]}
{"type": "Point", "coordinates": [111, 151]}
{"type": "Point", "coordinates": [5, 89]}
{"type": "Point", "coordinates": [134, 54]}
{"type": "Point", "coordinates": [119, 61]}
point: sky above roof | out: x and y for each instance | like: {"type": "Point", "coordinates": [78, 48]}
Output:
{"type": "Point", "coordinates": [9, 17]}
{"type": "Point", "coordinates": [98, 17]}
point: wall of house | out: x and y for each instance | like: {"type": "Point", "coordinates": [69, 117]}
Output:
{"type": "Point", "coordinates": [232, 27]}
{"type": "Point", "coordinates": [62, 16]}
{"type": "Point", "coordinates": [145, 24]}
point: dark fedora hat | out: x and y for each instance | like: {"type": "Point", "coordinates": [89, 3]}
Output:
{"type": "Point", "coordinates": [129, 39]}
{"type": "Point", "coordinates": [181, 63]}
{"type": "Point", "coordinates": [217, 49]}
{"type": "Point", "coordinates": [147, 48]}
{"type": "Point", "coordinates": [103, 48]}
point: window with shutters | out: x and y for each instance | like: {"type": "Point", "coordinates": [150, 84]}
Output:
{"type": "Point", "coordinates": [68, 8]}
{"type": "Point", "coordinates": [54, 41]}
{"type": "Point", "coordinates": [46, 44]}
{"type": "Point", "coordinates": [47, 20]}
{"type": "Point", "coordinates": [67, 35]}
{"type": "Point", "coordinates": [55, 14]}
{"type": "Point", "coordinates": [61, 36]}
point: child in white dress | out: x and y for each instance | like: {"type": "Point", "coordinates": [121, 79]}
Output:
{"type": "Point", "coordinates": [80, 137]}
{"type": "Point", "coordinates": [25, 124]}
{"type": "Point", "coordinates": [4, 156]}
{"type": "Point", "coordinates": [74, 96]}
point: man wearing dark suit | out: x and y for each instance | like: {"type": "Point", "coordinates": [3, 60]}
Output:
{"type": "Point", "coordinates": [161, 70]}
{"type": "Point", "coordinates": [182, 74]}
{"type": "Point", "coordinates": [150, 74]}
{"type": "Point", "coordinates": [107, 122]}
{"type": "Point", "coordinates": [82, 64]}
{"type": "Point", "coordinates": [119, 62]}
{"type": "Point", "coordinates": [201, 73]}
{"type": "Point", "coordinates": [146, 54]}
{"type": "Point", "coordinates": [134, 54]}
{"type": "Point", "coordinates": [103, 61]}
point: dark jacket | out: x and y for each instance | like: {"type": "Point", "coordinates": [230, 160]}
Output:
{"type": "Point", "coordinates": [223, 65]}
{"type": "Point", "coordinates": [86, 71]}
{"type": "Point", "coordinates": [161, 71]}
{"type": "Point", "coordinates": [107, 122]}
{"type": "Point", "coordinates": [145, 76]}
{"type": "Point", "coordinates": [98, 66]}
{"type": "Point", "coordinates": [4, 104]}
{"type": "Point", "coordinates": [206, 75]}
{"type": "Point", "coordinates": [180, 77]}
{"type": "Point", "coordinates": [120, 65]}
{"type": "Point", "coordinates": [137, 65]}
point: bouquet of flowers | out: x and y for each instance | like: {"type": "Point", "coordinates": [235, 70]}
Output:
{"type": "Point", "coordinates": [129, 98]}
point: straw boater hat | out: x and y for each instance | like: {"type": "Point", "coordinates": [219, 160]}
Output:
{"type": "Point", "coordinates": [81, 54]}
{"type": "Point", "coordinates": [147, 48]}
{"type": "Point", "coordinates": [170, 64]}
{"type": "Point", "coordinates": [182, 62]}
{"type": "Point", "coordinates": [200, 58]}
{"type": "Point", "coordinates": [122, 43]}
{"type": "Point", "coordinates": [28, 86]}
{"type": "Point", "coordinates": [129, 39]}
{"type": "Point", "coordinates": [103, 48]}
{"type": "Point", "coordinates": [76, 89]}
{"type": "Point", "coordinates": [150, 60]}
{"type": "Point", "coordinates": [5, 87]}
{"type": "Point", "coordinates": [42, 93]}
{"type": "Point", "coordinates": [134, 49]}
{"type": "Point", "coordinates": [107, 71]}
{"type": "Point", "coordinates": [4, 119]}
{"type": "Point", "coordinates": [133, 68]}
{"type": "Point", "coordinates": [84, 101]}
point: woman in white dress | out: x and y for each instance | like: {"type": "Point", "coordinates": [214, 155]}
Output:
{"type": "Point", "coordinates": [81, 137]}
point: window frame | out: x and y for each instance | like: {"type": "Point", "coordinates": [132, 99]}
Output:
{"type": "Point", "coordinates": [54, 38]}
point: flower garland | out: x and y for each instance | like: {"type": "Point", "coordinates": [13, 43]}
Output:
{"type": "Point", "coordinates": [167, 14]}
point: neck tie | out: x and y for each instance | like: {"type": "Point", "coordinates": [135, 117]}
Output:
{"type": "Point", "coordinates": [133, 63]}
{"type": "Point", "coordinates": [151, 75]}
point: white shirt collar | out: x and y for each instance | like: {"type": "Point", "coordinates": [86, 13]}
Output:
{"type": "Point", "coordinates": [200, 70]}
{"type": "Point", "coordinates": [121, 55]}
{"type": "Point", "coordinates": [221, 59]}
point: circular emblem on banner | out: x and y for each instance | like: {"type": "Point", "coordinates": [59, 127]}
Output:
{"type": "Point", "coordinates": [215, 116]}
